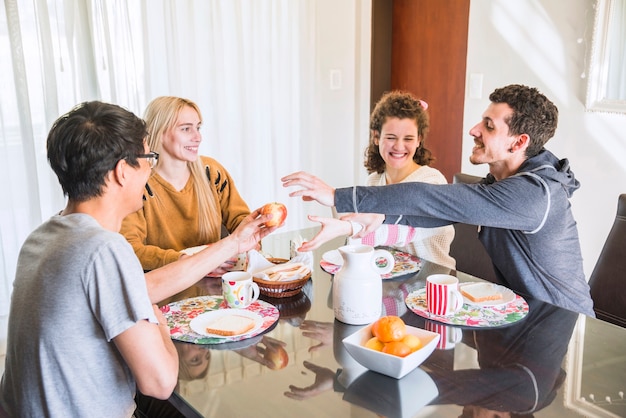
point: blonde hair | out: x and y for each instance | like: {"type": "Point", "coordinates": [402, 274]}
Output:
{"type": "Point", "coordinates": [161, 116]}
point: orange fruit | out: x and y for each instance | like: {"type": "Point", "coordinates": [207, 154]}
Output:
{"type": "Point", "coordinates": [412, 341]}
{"type": "Point", "coordinates": [397, 348]}
{"type": "Point", "coordinates": [375, 344]}
{"type": "Point", "coordinates": [389, 328]}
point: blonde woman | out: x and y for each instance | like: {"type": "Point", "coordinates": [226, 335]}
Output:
{"type": "Point", "coordinates": [188, 197]}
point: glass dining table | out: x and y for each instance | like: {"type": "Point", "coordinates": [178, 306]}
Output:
{"type": "Point", "coordinates": [542, 362]}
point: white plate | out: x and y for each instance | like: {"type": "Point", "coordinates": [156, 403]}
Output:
{"type": "Point", "coordinates": [507, 296]}
{"type": "Point", "coordinates": [200, 322]}
{"type": "Point", "coordinates": [333, 257]}
{"type": "Point", "coordinates": [193, 250]}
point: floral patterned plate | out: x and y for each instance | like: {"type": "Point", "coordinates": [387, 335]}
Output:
{"type": "Point", "coordinates": [405, 263]}
{"type": "Point", "coordinates": [179, 315]}
{"type": "Point", "coordinates": [471, 315]}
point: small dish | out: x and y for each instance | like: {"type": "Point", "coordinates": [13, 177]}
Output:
{"type": "Point", "coordinates": [193, 250]}
{"type": "Point", "coordinates": [202, 321]}
{"type": "Point", "coordinates": [333, 257]}
{"type": "Point", "coordinates": [388, 364]}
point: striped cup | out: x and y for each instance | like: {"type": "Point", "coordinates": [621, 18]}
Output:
{"type": "Point", "coordinates": [442, 294]}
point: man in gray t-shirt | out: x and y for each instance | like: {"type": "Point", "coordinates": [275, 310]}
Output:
{"type": "Point", "coordinates": [84, 329]}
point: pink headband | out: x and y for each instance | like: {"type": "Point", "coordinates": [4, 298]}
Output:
{"type": "Point", "coordinates": [424, 104]}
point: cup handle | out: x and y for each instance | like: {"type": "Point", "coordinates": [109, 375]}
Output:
{"type": "Point", "coordinates": [458, 300]}
{"type": "Point", "coordinates": [255, 292]}
{"type": "Point", "coordinates": [388, 257]}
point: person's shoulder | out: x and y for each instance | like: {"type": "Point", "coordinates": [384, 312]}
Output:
{"type": "Point", "coordinates": [210, 161]}
{"type": "Point", "coordinates": [79, 230]}
{"type": "Point", "coordinates": [428, 174]}
{"type": "Point", "coordinates": [374, 179]}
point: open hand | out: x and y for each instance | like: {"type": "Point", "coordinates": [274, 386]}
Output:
{"type": "Point", "coordinates": [312, 188]}
{"type": "Point", "coordinates": [324, 379]}
{"type": "Point", "coordinates": [251, 231]}
{"type": "Point", "coordinates": [331, 228]}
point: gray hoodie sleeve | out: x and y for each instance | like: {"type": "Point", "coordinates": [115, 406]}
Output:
{"type": "Point", "coordinates": [520, 202]}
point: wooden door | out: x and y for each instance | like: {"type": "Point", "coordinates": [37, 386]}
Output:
{"type": "Point", "coordinates": [428, 58]}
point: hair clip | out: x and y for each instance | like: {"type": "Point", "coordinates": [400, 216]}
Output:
{"type": "Point", "coordinates": [424, 104]}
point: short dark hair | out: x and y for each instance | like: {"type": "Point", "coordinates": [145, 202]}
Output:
{"type": "Point", "coordinates": [533, 114]}
{"type": "Point", "coordinates": [87, 142]}
{"type": "Point", "coordinates": [402, 105]}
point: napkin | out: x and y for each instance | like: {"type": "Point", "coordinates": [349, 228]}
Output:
{"type": "Point", "coordinates": [259, 266]}
{"type": "Point", "coordinates": [257, 262]}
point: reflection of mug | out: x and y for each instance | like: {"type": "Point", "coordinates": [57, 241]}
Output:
{"type": "Point", "coordinates": [442, 294]}
{"type": "Point", "coordinates": [450, 336]}
{"type": "Point", "coordinates": [238, 289]}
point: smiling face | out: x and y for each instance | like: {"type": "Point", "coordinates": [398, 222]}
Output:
{"type": "Point", "coordinates": [398, 143]}
{"type": "Point", "coordinates": [182, 141]}
{"type": "Point", "coordinates": [194, 360]}
{"type": "Point", "coordinates": [493, 143]}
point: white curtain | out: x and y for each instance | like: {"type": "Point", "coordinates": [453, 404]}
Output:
{"type": "Point", "coordinates": [249, 64]}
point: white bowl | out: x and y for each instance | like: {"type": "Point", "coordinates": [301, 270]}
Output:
{"type": "Point", "coordinates": [388, 364]}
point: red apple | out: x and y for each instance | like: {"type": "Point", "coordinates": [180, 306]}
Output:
{"type": "Point", "coordinates": [279, 212]}
{"type": "Point", "coordinates": [276, 356]}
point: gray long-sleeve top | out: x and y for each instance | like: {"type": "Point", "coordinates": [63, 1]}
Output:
{"type": "Point", "coordinates": [526, 223]}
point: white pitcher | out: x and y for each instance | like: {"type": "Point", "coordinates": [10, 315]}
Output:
{"type": "Point", "coordinates": [357, 286]}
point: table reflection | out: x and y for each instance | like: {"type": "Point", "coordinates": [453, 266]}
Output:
{"type": "Point", "coordinates": [519, 366]}
{"type": "Point", "coordinates": [516, 370]}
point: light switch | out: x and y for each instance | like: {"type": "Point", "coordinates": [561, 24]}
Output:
{"type": "Point", "coordinates": [476, 86]}
{"type": "Point", "coordinates": [335, 79]}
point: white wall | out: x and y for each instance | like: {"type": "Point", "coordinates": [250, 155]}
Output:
{"type": "Point", "coordinates": [545, 44]}
{"type": "Point", "coordinates": [335, 154]}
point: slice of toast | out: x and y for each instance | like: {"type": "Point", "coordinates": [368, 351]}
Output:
{"type": "Point", "coordinates": [230, 325]}
{"type": "Point", "coordinates": [481, 292]}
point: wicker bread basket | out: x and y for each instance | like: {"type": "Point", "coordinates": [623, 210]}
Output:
{"type": "Point", "coordinates": [281, 289]}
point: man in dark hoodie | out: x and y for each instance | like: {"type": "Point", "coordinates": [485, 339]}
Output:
{"type": "Point", "coordinates": [522, 205]}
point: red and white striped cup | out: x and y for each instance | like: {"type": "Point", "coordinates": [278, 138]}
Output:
{"type": "Point", "coordinates": [449, 336]}
{"type": "Point", "coordinates": [442, 294]}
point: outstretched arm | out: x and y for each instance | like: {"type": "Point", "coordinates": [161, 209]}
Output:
{"type": "Point", "coordinates": [354, 224]}
{"type": "Point", "coordinates": [312, 188]}
{"type": "Point", "coordinates": [179, 275]}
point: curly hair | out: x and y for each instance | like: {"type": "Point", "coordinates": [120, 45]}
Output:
{"type": "Point", "coordinates": [402, 105]}
{"type": "Point", "coordinates": [86, 143]}
{"type": "Point", "coordinates": [533, 114]}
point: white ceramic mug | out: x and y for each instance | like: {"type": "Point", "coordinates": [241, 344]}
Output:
{"type": "Point", "coordinates": [449, 336]}
{"type": "Point", "coordinates": [238, 289]}
{"type": "Point", "coordinates": [442, 294]}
